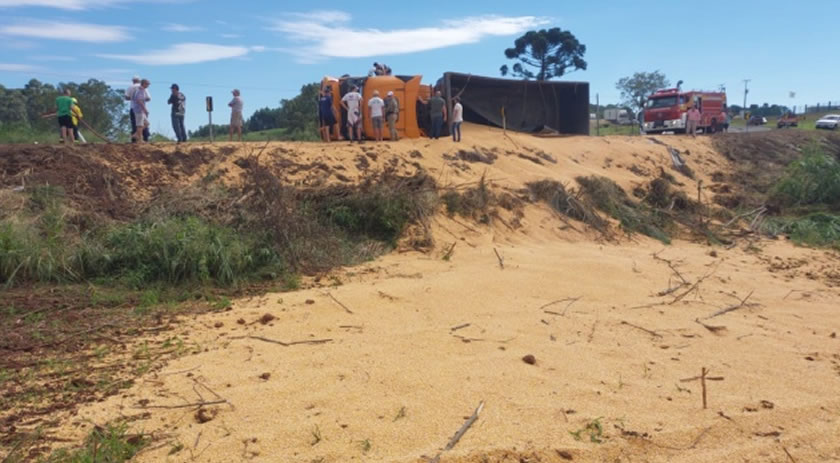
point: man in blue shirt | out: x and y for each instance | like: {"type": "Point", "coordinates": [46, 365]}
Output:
{"type": "Point", "coordinates": [326, 115]}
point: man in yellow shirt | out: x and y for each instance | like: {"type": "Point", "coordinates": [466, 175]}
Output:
{"type": "Point", "coordinates": [75, 116]}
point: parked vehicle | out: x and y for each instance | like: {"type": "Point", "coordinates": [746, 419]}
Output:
{"type": "Point", "coordinates": [788, 120]}
{"type": "Point", "coordinates": [757, 120]}
{"type": "Point", "coordinates": [618, 116]}
{"type": "Point", "coordinates": [666, 110]}
{"type": "Point", "coordinates": [829, 121]}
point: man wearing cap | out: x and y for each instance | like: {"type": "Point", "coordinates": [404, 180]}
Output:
{"type": "Point", "coordinates": [236, 121]}
{"type": "Point", "coordinates": [375, 106]}
{"type": "Point", "coordinates": [179, 109]}
{"type": "Point", "coordinates": [392, 113]}
{"type": "Point", "coordinates": [351, 102]}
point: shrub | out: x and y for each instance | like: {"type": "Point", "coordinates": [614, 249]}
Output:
{"type": "Point", "coordinates": [817, 229]}
{"type": "Point", "coordinates": [607, 196]}
{"type": "Point", "coordinates": [812, 179]}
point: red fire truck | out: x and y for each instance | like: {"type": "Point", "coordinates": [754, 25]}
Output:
{"type": "Point", "coordinates": [666, 110]}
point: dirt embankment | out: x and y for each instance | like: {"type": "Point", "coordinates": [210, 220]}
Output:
{"type": "Point", "coordinates": [385, 361]}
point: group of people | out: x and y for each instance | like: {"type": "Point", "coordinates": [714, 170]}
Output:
{"type": "Point", "coordinates": [379, 70]}
{"type": "Point", "coordinates": [694, 116]}
{"type": "Point", "coordinates": [138, 96]}
{"type": "Point", "coordinates": [69, 116]}
{"type": "Point", "coordinates": [380, 112]}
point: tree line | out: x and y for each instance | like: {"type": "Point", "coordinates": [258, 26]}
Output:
{"type": "Point", "coordinates": [23, 108]}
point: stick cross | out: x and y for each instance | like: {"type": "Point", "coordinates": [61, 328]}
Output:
{"type": "Point", "coordinates": [703, 378]}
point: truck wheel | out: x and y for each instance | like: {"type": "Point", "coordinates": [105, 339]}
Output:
{"type": "Point", "coordinates": [712, 128]}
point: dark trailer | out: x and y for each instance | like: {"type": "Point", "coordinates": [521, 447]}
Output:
{"type": "Point", "coordinates": [527, 105]}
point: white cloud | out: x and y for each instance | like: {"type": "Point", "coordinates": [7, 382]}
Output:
{"type": "Point", "coordinates": [74, 5]}
{"type": "Point", "coordinates": [328, 35]}
{"type": "Point", "coordinates": [230, 36]}
{"type": "Point", "coordinates": [175, 27]}
{"type": "Point", "coordinates": [183, 53]}
{"type": "Point", "coordinates": [61, 4]}
{"type": "Point", "coordinates": [52, 58]}
{"type": "Point", "coordinates": [76, 32]}
{"type": "Point", "coordinates": [14, 67]}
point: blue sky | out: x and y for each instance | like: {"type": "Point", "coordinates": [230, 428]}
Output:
{"type": "Point", "coordinates": [269, 49]}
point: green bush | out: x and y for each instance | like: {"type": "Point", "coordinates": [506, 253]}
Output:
{"type": "Point", "coordinates": [817, 229]}
{"type": "Point", "coordinates": [173, 251]}
{"type": "Point", "coordinates": [178, 250]}
{"type": "Point", "coordinates": [812, 179]}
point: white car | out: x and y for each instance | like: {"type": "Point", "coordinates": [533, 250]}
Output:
{"type": "Point", "coordinates": [829, 121]}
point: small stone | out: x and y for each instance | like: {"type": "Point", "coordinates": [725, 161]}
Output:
{"type": "Point", "coordinates": [218, 325]}
{"type": "Point", "coordinates": [309, 302]}
{"type": "Point", "coordinates": [266, 319]}
{"type": "Point", "coordinates": [241, 321]}
{"type": "Point", "coordinates": [530, 359]}
{"type": "Point", "coordinates": [265, 376]}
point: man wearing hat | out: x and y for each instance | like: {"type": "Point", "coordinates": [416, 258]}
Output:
{"type": "Point", "coordinates": [392, 113]}
{"type": "Point", "coordinates": [236, 120]}
{"type": "Point", "coordinates": [179, 109]}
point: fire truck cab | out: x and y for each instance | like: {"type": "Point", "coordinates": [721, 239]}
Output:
{"type": "Point", "coordinates": [665, 110]}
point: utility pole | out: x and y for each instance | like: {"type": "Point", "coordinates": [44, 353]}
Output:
{"type": "Point", "coordinates": [746, 91]}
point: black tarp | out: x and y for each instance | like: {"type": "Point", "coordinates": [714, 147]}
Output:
{"type": "Point", "coordinates": [529, 106]}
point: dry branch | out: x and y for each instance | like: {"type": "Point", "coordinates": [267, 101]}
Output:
{"type": "Point", "coordinates": [501, 260]}
{"type": "Point", "coordinates": [732, 308]}
{"type": "Point", "coordinates": [189, 405]}
{"type": "Point", "coordinates": [693, 287]}
{"type": "Point", "coordinates": [339, 303]}
{"type": "Point", "coordinates": [650, 332]}
{"type": "Point", "coordinates": [449, 251]}
{"type": "Point", "coordinates": [460, 433]}
{"type": "Point", "coordinates": [284, 344]}
{"type": "Point", "coordinates": [570, 300]}
{"type": "Point", "coordinates": [456, 328]}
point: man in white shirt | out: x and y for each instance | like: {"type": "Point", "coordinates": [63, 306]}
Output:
{"type": "Point", "coordinates": [129, 96]}
{"type": "Point", "coordinates": [351, 103]}
{"type": "Point", "coordinates": [375, 106]}
{"type": "Point", "coordinates": [236, 120]}
{"type": "Point", "coordinates": [457, 119]}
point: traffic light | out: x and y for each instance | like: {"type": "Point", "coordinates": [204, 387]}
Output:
{"type": "Point", "coordinates": [209, 104]}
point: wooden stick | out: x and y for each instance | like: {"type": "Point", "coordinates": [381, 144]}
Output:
{"type": "Point", "coordinates": [693, 287]}
{"type": "Point", "coordinates": [339, 303]}
{"type": "Point", "coordinates": [703, 372]}
{"type": "Point", "coordinates": [460, 433]}
{"type": "Point", "coordinates": [456, 328]}
{"type": "Point", "coordinates": [732, 308]}
{"type": "Point", "coordinates": [650, 332]}
{"type": "Point", "coordinates": [284, 344]}
{"type": "Point", "coordinates": [793, 460]}
{"type": "Point", "coordinates": [189, 405]}
{"type": "Point", "coordinates": [570, 300]}
{"type": "Point", "coordinates": [449, 252]}
{"type": "Point", "coordinates": [501, 260]}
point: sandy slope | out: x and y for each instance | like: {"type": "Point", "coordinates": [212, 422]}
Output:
{"type": "Point", "coordinates": [602, 358]}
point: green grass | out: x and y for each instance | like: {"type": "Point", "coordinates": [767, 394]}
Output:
{"type": "Point", "coordinates": [810, 180]}
{"type": "Point", "coordinates": [111, 444]}
{"type": "Point", "coordinates": [609, 128]}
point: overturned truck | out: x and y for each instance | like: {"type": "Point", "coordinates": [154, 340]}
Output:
{"type": "Point", "coordinates": [520, 105]}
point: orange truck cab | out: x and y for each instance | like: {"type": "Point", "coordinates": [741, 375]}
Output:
{"type": "Point", "coordinates": [666, 110]}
